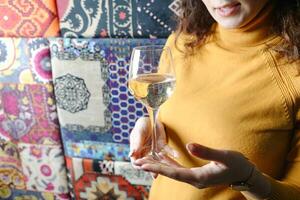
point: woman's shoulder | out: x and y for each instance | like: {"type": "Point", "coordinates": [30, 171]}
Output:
{"type": "Point", "coordinates": [178, 40]}
{"type": "Point", "coordinates": [288, 72]}
{"type": "Point", "coordinates": [293, 72]}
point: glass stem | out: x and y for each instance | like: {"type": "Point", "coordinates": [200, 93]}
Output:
{"type": "Point", "coordinates": [154, 147]}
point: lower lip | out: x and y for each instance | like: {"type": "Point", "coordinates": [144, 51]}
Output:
{"type": "Point", "coordinates": [228, 11]}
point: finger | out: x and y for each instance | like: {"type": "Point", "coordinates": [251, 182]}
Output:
{"type": "Point", "coordinates": [170, 151]}
{"type": "Point", "coordinates": [140, 137]}
{"type": "Point", "coordinates": [180, 174]}
{"type": "Point", "coordinates": [154, 175]}
{"type": "Point", "coordinates": [132, 161]}
{"type": "Point", "coordinates": [169, 161]}
{"type": "Point", "coordinates": [161, 135]}
{"type": "Point", "coordinates": [146, 159]}
{"type": "Point", "coordinates": [208, 153]}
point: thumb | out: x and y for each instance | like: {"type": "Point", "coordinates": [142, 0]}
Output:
{"type": "Point", "coordinates": [207, 153]}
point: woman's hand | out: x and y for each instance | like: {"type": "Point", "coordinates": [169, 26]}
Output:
{"type": "Point", "coordinates": [225, 167]}
{"type": "Point", "coordinates": [140, 139]}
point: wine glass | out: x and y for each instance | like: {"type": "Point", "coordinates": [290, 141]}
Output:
{"type": "Point", "coordinates": [152, 81]}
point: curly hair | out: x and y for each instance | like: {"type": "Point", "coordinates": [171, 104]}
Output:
{"type": "Point", "coordinates": [196, 20]}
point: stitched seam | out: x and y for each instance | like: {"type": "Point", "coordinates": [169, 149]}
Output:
{"type": "Point", "coordinates": [278, 80]}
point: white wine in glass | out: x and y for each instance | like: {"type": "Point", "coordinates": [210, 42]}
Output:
{"type": "Point", "coordinates": [152, 81]}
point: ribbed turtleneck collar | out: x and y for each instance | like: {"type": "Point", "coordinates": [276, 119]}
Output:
{"type": "Point", "coordinates": [256, 32]}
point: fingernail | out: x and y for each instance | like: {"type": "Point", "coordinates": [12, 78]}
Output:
{"type": "Point", "coordinates": [137, 161]}
{"type": "Point", "coordinates": [189, 146]}
{"type": "Point", "coordinates": [154, 176]}
{"type": "Point", "coordinates": [130, 153]}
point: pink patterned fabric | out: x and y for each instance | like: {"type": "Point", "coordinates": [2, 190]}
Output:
{"type": "Point", "coordinates": [28, 114]}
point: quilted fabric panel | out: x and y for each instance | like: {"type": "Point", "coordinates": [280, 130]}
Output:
{"type": "Point", "coordinates": [28, 18]}
{"type": "Point", "coordinates": [117, 18]}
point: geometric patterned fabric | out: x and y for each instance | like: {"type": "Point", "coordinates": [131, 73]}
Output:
{"type": "Point", "coordinates": [36, 18]}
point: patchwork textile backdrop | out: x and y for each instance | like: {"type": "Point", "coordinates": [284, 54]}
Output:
{"type": "Point", "coordinates": [31, 155]}
{"type": "Point", "coordinates": [65, 110]}
{"type": "Point", "coordinates": [96, 113]}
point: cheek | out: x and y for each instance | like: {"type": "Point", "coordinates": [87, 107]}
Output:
{"type": "Point", "coordinates": [209, 7]}
{"type": "Point", "coordinates": [207, 4]}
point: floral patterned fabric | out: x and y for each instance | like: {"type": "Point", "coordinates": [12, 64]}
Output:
{"type": "Point", "coordinates": [28, 114]}
{"type": "Point", "coordinates": [44, 168]}
{"type": "Point", "coordinates": [10, 166]}
{"type": "Point", "coordinates": [28, 18]}
{"type": "Point", "coordinates": [117, 18]}
{"type": "Point", "coordinates": [25, 60]}
{"type": "Point", "coordinates": [31, 159]}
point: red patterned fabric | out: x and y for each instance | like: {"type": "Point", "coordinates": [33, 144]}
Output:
{"type": "Point", "coordinates": [89, 182]}
{"type": "Point", "coordinates": [24, 18]}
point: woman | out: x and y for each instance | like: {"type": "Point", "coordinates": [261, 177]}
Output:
{"type": "Point", "coordinates": [234, 117]}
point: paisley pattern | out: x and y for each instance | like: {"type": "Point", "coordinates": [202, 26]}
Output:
{"type": "Point", "coordinates": [116, 18]}
{"type": "Point", "coordinates": [21, 18]}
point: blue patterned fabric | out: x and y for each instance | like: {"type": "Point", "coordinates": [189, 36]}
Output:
{"type": "Point", "coordinates": [117, 18]}
{"type": "Point", "coordinates": [111, 56]}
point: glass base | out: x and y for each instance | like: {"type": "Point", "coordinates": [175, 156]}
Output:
{"type": "Point", "coordinates": [154, 155]}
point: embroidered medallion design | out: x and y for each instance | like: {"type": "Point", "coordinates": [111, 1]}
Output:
{"type": "Point", "coordinates": [71, 93]}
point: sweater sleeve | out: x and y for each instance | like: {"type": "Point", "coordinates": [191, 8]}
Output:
{"type": "Point", "coordinates": [288, 187]}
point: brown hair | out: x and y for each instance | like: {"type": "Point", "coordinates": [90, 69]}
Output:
{"type": "Point", "coordinates": [196, 20]}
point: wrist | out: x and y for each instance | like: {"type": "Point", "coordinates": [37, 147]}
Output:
{"type": "Point", "coordinates": [260, 186]}
{"type": "Point", "coordinates": [246, 184]}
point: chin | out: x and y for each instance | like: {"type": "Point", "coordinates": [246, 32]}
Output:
{"type": "Point", "coordinates": [230, 23]}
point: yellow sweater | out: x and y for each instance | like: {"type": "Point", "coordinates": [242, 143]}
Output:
{"type": "Point", "coordinates": [235, 93]}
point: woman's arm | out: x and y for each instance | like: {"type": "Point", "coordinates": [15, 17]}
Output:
{"type": "Point", "coordinates": [225, 167]}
